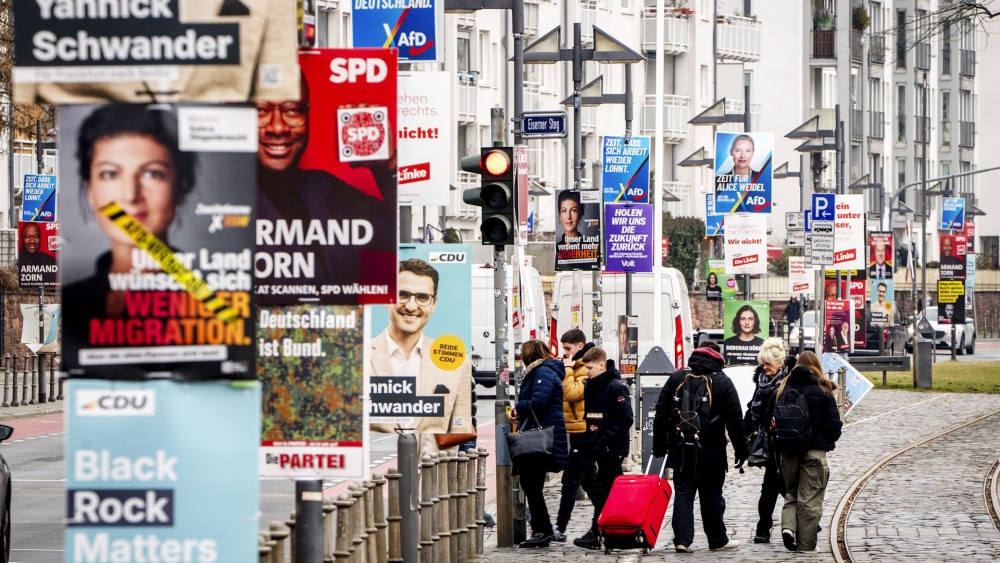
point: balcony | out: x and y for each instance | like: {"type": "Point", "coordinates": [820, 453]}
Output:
{"type": "Point", "coordinates": [467, 99]}
{"type": "Point", "coordinates": [857, 125]}
{"type": "Point", "coordinates": [857, 46]}
{"type": "Point", "coordinates": [736, 106]}
{"type": "Point", "coordinates": [923, 129]}
{"type": "Point", "coordinates": [683, 191]}
{"type": "Point", "coordinates": [676, 112]}
{"type": "Point", "coordinates": [876, 53]}
{"type": "Point", "coordinates": [531, 18]}
{"type": "Point", "coordinates": [923, 53]}
{"type": "Point", "coordinates": [824, 44]}
{"type": "Point", "coordinates": [739, 38]}
{"type": "Point", "coordinates": [588, 120]}
{"type": "Point", "coordinates": [967, 134]}
{"type": "Point", "coordinates": [968, 63]}
{"type": "Point", "coordinates": [675, 32]}
{"type": "Point", "coordinates": [465, 21]}
{"type": "Point", "coordinates": [588, 17]}
{"type": "Point", "coordinates": [876, 125]}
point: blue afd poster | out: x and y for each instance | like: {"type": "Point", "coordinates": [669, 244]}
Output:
{"type": "Point", "coordinates": [743, 172]}
{"type": "Point", "coordinates": [39, 198]}
{"type": "Point", "coordinates": [714, 222]}
{"type": "Point", "coordinates": [625, 172]}
{"type": "Point", "coordinates": [411, 26]}
{"type": "Point", "coordinates": [157, 469]}
{"type": "Point", "coordinates": [952, 213]}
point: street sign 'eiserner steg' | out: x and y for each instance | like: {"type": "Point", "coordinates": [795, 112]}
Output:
{"type": "Point", "coordinates": [544, 124]}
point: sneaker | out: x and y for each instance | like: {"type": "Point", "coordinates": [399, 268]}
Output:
{"type": "Point", "coordinates": [683, 549]}
{"type": "Point", "coordinates": [730, 545]}
{"type": "Point", "coordinates": [558, 536]}
{"type": "Point", "coordinates": [762, 538]}
{"type": "Point", "coordinates": [588, 541]}
{"type": "Point", "coordinates": [788, 538]}
{"type": "Point", "coordinates": [536, 540]}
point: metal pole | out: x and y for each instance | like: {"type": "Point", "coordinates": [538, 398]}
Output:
{"type": "Point", "coordinates": [504, 479]}
{"type": "Point", "coordinates": [11, 220]}
{"type": "Point", "coordinates": [577, 110]}
{"type": "Point", "coordinates": [309, 521]}
{"type": "Point", "coordinates": [42, 376]}
{"type": "Point", "coordinates": [747, 294]}
{"type": "Point", "coordinates": [923, 218]}
{"type": "Point", "coordinates": [658, 168]}
{"type": "Point", "coordinates": [409, 502]}
{"type": "Point", "coordinates": [517, 21]}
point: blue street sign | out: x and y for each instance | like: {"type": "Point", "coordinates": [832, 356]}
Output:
{"type": "Point", "coordinates": [412, 27]}
{"type": "Point", "coordinates": [823, 207]}
{"type": "Point", "coordinates": [544, 125]}
{"type": "Point", "coordinates": [808, 220]}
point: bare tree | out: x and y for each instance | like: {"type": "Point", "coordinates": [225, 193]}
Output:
{"type": "Point", "coordinates": [951, 17]}
{"type": "Point", "coordinates": [24, 115]}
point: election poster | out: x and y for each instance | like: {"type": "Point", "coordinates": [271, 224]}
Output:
{"type": "Point", "coordinates": [849, 233]}
{"type": "Point", "coordinates": [856, 386]}
{"type": "Point", "coordinates": [970, 236]}
{"type": "Point", "coordinates": [628, 234]}
{"type": "Point", "coordinates": [745, 326]}
{"type": "Point", "coordinates": [327, 217]}
{"type": "Point", "coordinates": [746, 244]}
{"type": "Point", "coordinates": [40, 331]}
{"type": "Point", "coordinates": [38, 198]}
{"type": "Point", "coordinates": [424, 133]}
{"type": "Point", "coordinates": [155, 52]}
{"type": "Point", "coordinates": [714, 272]}
{"type": "Point", "coordinates": [951, 301]}
{"type": "Point", "coordinates": [625, 172]}
{"type": "Point", "coordinates": [419, 356]}
{"type": "Point", "coordinates": [743, 172]}
{"type": "Point", "coordinates": [162, 470]}
{"type": "Point", "coordinates": [578, 232]}
{"type": "Point", "coordinates": [628, 344]}
{"type": "Point", "coordinates": [883, 306]}
{"type": "Point", "coordinates": [310, 361]}
{"type": "Point", "coordinates": [839, 314]}
{"type": "Point", "coordinates": [880, 256]}
{"type": "Point", "coordinates": [156, 273]}
{"type": "Point", "coordinates": [970, 272]}
{"type": "Point", "coordinates": [414, 27]}
{"type": "Point", "coordinates": [952, 213]}
{"type": "Point", "coordinates": [858, 293]}
{"type": "Point", "coordinates": [37, 250]}
{"type": "Point", "coordinates": [953, 252]}
{"type": "Point", "coordinates": [714, 222]}
{"type": "Point", "coordinates": [800, 277]}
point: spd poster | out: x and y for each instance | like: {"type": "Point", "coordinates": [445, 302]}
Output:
{"type": "Point", "coordinates": [743, 172]}
{"type": "Point", "coordinates": [837, 331]}
{"type": "Point", "coordinates": [745, 326]}
{"type": "Point", "coordinates": [36, 254]}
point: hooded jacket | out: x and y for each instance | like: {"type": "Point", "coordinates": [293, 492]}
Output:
{"type": "Point", "coordinates": [608, 414]}
{"type": "Point", "coordinates": [761, 405]}
{"type": "Point", "coordinates": [573, 384]}
{"type": "Point", "coordinates": [823, 414]}
{"type": "Point", "coordinates": [541, 392]}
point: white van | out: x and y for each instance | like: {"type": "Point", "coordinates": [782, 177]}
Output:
{"type": "Point", "coordinates": [534, 316]}
{"type": "Point", "coordinates": [675, 315]}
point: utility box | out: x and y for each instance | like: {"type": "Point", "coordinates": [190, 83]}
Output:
{"type": "Point", "coordinates": [924, 357]}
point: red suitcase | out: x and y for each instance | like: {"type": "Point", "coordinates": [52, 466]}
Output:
{"type": "Point", "coordinates": [633, 514]}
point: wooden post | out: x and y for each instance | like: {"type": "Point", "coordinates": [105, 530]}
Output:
{"type": "Point", "coordinates": [15, 378]}
{"type": "Point", "coordinates": [370, 529]}
{"type": "Point", "coordinates": [358, 534]}
{"type": "Point", "coordinates": [263, 550]}
{"type": "Point", "coordinates": [394, 518]}
{"type": "Point", "coordinates": [381, 541]}
{"type": "Point", "coordinates": [6, 380]}
{"type": "Point", "coordinates": [291, 531]}
{"type": "Point", "coordinates": [453, 504]}
{"type": "Point", "coordinates": [441, 519]}
{"type": "Point", "coordinates": [470, 502]}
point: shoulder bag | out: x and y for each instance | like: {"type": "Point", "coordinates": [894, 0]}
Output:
{"type": "Point", "coordinates": [530, 443]}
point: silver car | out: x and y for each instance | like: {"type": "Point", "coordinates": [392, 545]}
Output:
{"type": "Point", "coordinates": [965, 334]}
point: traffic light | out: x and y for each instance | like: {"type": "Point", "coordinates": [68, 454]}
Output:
{"type": "Point", "coordinates": [495, 195]}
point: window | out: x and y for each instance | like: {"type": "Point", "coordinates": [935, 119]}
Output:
{"type": "Point", "coordinates": [464, 55]}
{"type": "Point", "coordinates": [901, 177]}
{"type": "Point", "coordinates": [946, 48]}
{"type": "Point", "coordinates": [901, 113]}
{"type": "Point", "coordinates": [706, 96]}
{"type": "Point", "coordinates": [901, 39]}
{"type": "Point", "coordinates": [484, 65]}
{"type": "Point", "coordinates": [945, 118]}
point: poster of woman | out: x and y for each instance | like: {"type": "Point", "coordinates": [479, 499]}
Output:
{"type": "Point", "coordinates": [578, 230]}
{"type": "Point", "coordinates": [743, 172]}
{"type": "Point", "coordinates": [745, 327]}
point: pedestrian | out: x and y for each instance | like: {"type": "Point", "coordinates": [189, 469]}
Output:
{"type": "Point", "coordinates": [540, 401]}
{"type": "Point", "coordinates": [699, 457]}
{"type": "Point", "coordinates": [793, 311]}
{"type": "Point", "coordinates": [773, 365]}
{"type": "Point", "coordinates": [805, 469]}
{"type": "Point", "coordinates": [608, 408]}
{"type": "Point", "coordinates": [574, 345]}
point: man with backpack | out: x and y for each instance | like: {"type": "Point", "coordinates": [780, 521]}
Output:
{"type": "Point", "coordinates": [696, 408]}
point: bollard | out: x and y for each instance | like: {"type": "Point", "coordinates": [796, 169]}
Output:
{"type": "Point", "coordinates": [441, 519]}
{"type": "Point", "coordinates": [309, 520]}
{"type": "Point", "coordinates": [392, 520]}
{"type": "Point", "coordinates": [426, 503]}
{"type": "Point", "coordinates": [342, 550]}
{"type": "Point", "coordinates": [358, 534]}
{"type": "Point", "coordinates": [460, 534]}
{"type": "Point", "coordinates": [381, 543]}
{"type": "Point", "coordinates": [279, 534]}
{"type": "Point", "coordinates": [409, 501]}
{"type": "Point", "coordinates": [263, 550]}
{"type": "Point", "coordinates": [842, 391]}
{"type": "Point", "coordinates": [370, 529]}
{"type": "Point", "coordinates": [60, 396]}
{"type": "Point", "coordinates": [33, 369]}
{"type": "Point", "coordinates": [329, 509]}
{"type": "Point", "coordinates": [25, 379]}
{"type": "Point", "coordinates": [52, 377]}
{"type": "Point", "coordinates": [6, 381]}
{"type": "Point", "coordinates": [272, 547]}
{"type": "Point", "coordinates": [470, 503]}
{"type": "Point", "coordinates": [291, 530]}
{"type": "Point", "coordinates": [481, 500]}
{"type": "Point", "coordinates": [14, 379]}
{"type": "Point", "coordinates": [453, 504]}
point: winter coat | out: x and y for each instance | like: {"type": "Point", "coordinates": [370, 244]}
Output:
{"type": "Point", "coordinates": [761, 405]}
{"type": "Point", "coordinates": [823, 414]}
{"type": "Point", "coordinates": [609, 415]}
{"type": "Point", "coordinates": [573, 393]}
{"type": "Point", "coordinates": [541, 392]}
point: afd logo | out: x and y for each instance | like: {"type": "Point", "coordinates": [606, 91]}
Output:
{"type": "Point", "coordinates": [92, 402]}
{"type": "Point", "coordinates": [448, 257]}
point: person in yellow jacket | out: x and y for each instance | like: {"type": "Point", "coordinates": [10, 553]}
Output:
{"type": "Point", "coordinates": [574, 345]}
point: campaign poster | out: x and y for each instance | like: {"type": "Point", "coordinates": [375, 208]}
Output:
{"type": "Point", "coordinates": [414, 28]}
{"type": "Point", "coordinates": [310, 361]}
{"type": "Point", "coordinates": [714, 222]}
{"type": "Point", "coordinates": [578, 232]}
{"type": "Point", "coordinates": [38, 198]}
{"type": "Point", "coordinates": [880, 256]}
{"type": "Point", "coordinates": [419, 355]}
{"type": "Point", "coordinates": [40, 331]}
{"type": "Point", "coordinates": [745, 326]}
{"type": "Point", "coordinates": [952, 213]}
{"type": "Point", "coordinates": [743, 172]}
{"type": "Point", "coordinates": [970, 272]}
{"type": "Point", "coordinates": [746, 244]}
{"type": "Point", "coordinates": [156, 469]}
{"type": "Point", "coordinates": [839, 314]}
{"type": "Point", "coordinates": [800, 277]}
{"type": "Point", "coordinates": [156, 271]}
{"type": "Point", "coordinates": [849, 233]}
{"type": "Point", "coordinates": [155, 52]}
{"type": "Point", "coordinates": [953, 252]}
{"type": "Point", "coordinates": [628, 344]}
{"type": "Point", "coordinates": [714, 271]}
{"type": "Point", "coordinates": [625, 172]}
{"type": "Point", "coordinates": [951, 300]}
{"type": "Point", "coordinates": [882, 299]}
{"type": "Point", "coordinates": [858, 293]}
{"type": "Point", "coordinates": [307, 12]}
{"type": "Point", "coordinates": [970, 236]}
{"type": "Point", "coordinates": [856, 385]}
{"type": "Point", "coordinates": [425, 130]}
{"type": "Point", "coordinates": [327, 217]}
{"type": "Point", "coordinates": [37, 252]}
{"type": "Point", "coordinates": [628, 231]}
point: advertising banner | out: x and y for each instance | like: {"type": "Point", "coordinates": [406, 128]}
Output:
{"type": "Point", "coordinates": [857, 385]}
{"type": "Point", "coordinates": [970, 272]}
{"type": "Point", "coordinates": [327, 216]}
{"type": "Point", "coordinates": [156, 274]}
{"type": "Point", "coordinates": [952, 213]}
{"type": "Point", "coordinates": [743, 171]}
{"type": "Point", "coordinates": [38, 200]}
{"type": "Point", "coordinates": [849, 233]}
{"type": "Point", "coordinates": [746, 244]}
{"type": "Point", "coordinates": [837, 331]}
{"type": "Point", "coordinates": [951, 300]}
{"type": "Point", "coordinates": [883, 306]}
{"type": "Point", "coordinates": [952, 260]}
{"type": "Point", "coordinates": [714, 222]}
{"type": "Point", "coordinates": [578, 232]}
{"type": "Point", "coordinates": [159, 469]}
{"type": "Point", "coordinates": [970, 236]}
{"type": "Point", "coordinates": [800, 277]}
{"type": "Point", "coordinates": [625, 173]}
{"type": "Point", "coordinates": [414, 27]}
{"type": "Point", "coordinates": [629, 237]}
{"type": "Point", "coordinates": [628, 344]}
{"type": "Point", "coordinates": [37, 251]}
{"type": "Point", "coordinates": [310, 360]}
{"type": "Point", "coordinates": [521, 177]}
{"type": "Point", "coordinates": [714, 271]}
{"type": "Point", "coordinates": [39, 331]}
{"type": "Point", "coordinates": [146, 52]}
{"type": "Point", "coordinates": [858, 292]}
{"type": "Point", "coordinates": [419, 350]}
{"type": "Point", "coordinates": [745, 326]}
{"type": "Point", "coordinates": [880, 258]}
{"type": "Point", "coordinates": [425, 155]}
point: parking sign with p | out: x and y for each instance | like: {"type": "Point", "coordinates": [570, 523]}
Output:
{"type": "Point", "coordinates": [823, 207]}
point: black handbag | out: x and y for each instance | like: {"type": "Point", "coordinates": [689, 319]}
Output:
{"type": "Point", "coordinates": [532, 443]}
{"type": "Point", "coordinates": [760, 450]}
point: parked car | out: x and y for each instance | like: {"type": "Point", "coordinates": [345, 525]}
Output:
{"type": "Point", "coordinates": [5, 432]}
{"type": "Point", "coordinates": [895, 335]}
{"type": "Point", "coordinates": [965, 334]}
{"type": "Point", "coordinates": [703, 334]}
{"type": "Point", "coordinates": [806, 330]}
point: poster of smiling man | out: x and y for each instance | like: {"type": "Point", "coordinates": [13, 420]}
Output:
{"type": "Point", "coordinates": [743, 172]}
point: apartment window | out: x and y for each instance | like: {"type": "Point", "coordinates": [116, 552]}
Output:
{"type": "Point", "coordinates": [946, 49]}
{"type": "Point", "coordinates": [706, 96]}
{"type": "Point", "coordinates": [747, 7]}
{"type": "Point", "coordinates": [945, 118]}
{"type": "Point", "coordinates": [876, 176]}
{"type": "Point", "coordinates": [464, 54]}
{"type": "Point", "coordinates": [901, 177]}
{"type": "Point", "coordinates": [461, 142]}
{"type": "Point", "coordinates": [945, 169]}
{"type": "Point", "coordinates": [875, 17]}
{"type": "Point", "coordinates": [966, 184]}
{"type": "Point", "coordinates": [901, 113]}
{"type": "Point", "coordinates": [900, 38]}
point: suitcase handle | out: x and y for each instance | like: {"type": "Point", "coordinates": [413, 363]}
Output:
{"type": "Point", "coordinates": [649, 465]}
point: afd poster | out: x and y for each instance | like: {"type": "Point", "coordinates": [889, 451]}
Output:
{"type": "Point", "coordinates": [162, 471]}
{"type": "Point", "coordinates": [38, 199]}
{"type": "Point", "coordinates": [714, 222]}
{"type": "Point", "coordinates": [156, 272]}
{"type": "Point", "coordinates": [36, 254]}
{"type": "Point", "coordinates": [625, 172]}
{"type": "Point", "coordinates": [155, 51]}
{"type": "Point", "coordinates": [746, 246]}
{"type": "Point", "coordinates": [418, 357]}
{"type": "Point", "coordinates": [743, 172]}
{"type": "Point", "coordinates": [327, 216]}
{"type": "Point", "coordinates": [424, 133]}
{"type": "Point", "coordinates": [628, 243]}
{"type": "Point", "coordinates": [745, 326]}
{"type": "Point", "coordinates": [952, 213]}
{"type": "Point", "coordinates": [578, 232]}
{"type": "Point", "coordinates": [413, 27]}
{"type": "Point", "coordinates": [856, 385]}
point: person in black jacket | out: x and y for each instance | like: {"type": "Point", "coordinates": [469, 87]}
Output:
{"type": "Point", "coordinates": [701, 468]}
{"type": "Point", "coordinates": [608, 415]}
{"type": "Point", "coordinates": [806, 473]}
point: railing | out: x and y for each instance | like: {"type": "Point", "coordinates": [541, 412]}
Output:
{"type": "Point", "coordinates": [824, 44]}
{"type": "Point", "coordinates": [966, 134]}
{"type": "Point", "coordinates": [588, 120]}
{"type": "Point", "coordinates": [736, 106]}
{"type": "Point", "coordinates": [532, 96]}
{"type": "Point", "coordinates": [857, 124]}
{"type": "Point", "coordinates": [588, 16]}
{"type": "Point", "coordinates": [465, 21]}
{"type": "Point", "coordinates": [923, 61]}
{"type": "Point", "coordinates": [467, 93]}
{"type": "Point", "coordinates": [739, 39]}
{"type": "Point", "coordinates": [968, 63]}
{"type": "Point", "coordinates": [857, 47]}
{"type": "Point", "coordinates": [876, 52]}
{"type": "Point", "coordinates": [923, 129]}
{"type": "Point", "coordinates": [22, 383]}
{"type": "Point", "coordinates": [683, 191]}
{"type": "Point", "coordinates": [675, 32]}
{"type": "Point", "coordinates": [676, 113]}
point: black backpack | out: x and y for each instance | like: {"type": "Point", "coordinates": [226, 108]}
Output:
{"type": "Point", "coordinates": [791, 428]}
{"type": "Point", "coordinates": [693, 400]}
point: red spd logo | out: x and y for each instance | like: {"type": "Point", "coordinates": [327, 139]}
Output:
{"type": "Point", "coordinates": [363, 134]}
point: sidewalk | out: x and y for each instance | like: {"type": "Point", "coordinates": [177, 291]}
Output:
{"type": "Point", "coordinates": [24, 411]}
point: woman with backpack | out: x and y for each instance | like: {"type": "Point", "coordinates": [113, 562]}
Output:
{"type": "Point", "coordinates": [540, 404]}
{"type": "Point", "coordinates": [806, 425]}
{"type": "Point", "coordinates": [773, 365]}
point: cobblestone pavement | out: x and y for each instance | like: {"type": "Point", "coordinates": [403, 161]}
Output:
{"type": "Point", "coordinates": [883, 423]}
{"type": "Point", "coordinates": [883, 525]}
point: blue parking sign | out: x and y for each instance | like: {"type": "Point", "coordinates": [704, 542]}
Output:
{"type": "Point", "coordinates": [411, 26]}
{"type": "Point", "coordinates": [823, 207]}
